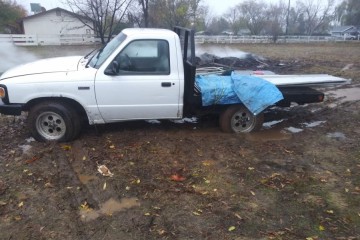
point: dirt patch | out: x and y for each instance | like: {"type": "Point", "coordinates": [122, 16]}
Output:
{"type": "Point", "coordinates": [191, 181]}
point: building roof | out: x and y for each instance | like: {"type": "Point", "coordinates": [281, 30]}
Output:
{"type": "Point", "coordinates": [343, 28]}
{"type": "Point", "coordinates": [57, 9]}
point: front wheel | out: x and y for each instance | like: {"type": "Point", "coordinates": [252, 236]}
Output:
{"type": "Point", "coordinates": [53, 121]}
{"type": "Point", "coordinates": [238, 119]}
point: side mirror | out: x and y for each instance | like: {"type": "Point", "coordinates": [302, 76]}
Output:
{"type": "Point", "coordinates": [113, 69]}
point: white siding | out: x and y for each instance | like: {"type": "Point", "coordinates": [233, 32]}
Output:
{"type": "Point", "coordinates": [49, 23]}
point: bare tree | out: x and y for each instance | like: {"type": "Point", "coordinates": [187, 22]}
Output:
{"type": "Point", "coordinates": [348, 12]}
{"type": "Point", "coordinates": [316, 14]}
{"type": "Point", "coordinates": [10, 13]}
{"type": "Point", "coordinates": [167, 14]}
{"type": "Point", "coordinates": [233, 17]}
{"type": "Point", "coordinates": [194, 6]}
{"type": "Point", "coordinates": [253, 13]}
{"type": "Point", "coordinates": [217, 25]}
{"type": "Point", "coordinates": [276, 20]}
{"type": "Point", "coordinates": [105, 14]}
{"type": "Point", "coordinates": [145, 11]}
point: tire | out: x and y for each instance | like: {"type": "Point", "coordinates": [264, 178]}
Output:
{"type": "Point", "coordinates": [54, 121]}
{"type": "Point", "coordinates": [238, 119]}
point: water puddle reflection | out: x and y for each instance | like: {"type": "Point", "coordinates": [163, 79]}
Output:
{"type": "Point", "coordinates": [336, 135]}
{"type": "Point", "coordinates": [313, 124]}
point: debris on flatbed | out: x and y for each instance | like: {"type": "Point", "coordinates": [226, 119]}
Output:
{"type": "Point", "coordinates": [250, 61]}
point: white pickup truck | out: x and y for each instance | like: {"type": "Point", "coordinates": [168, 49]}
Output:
{"type": "Point", "coordinates": [140, 74]}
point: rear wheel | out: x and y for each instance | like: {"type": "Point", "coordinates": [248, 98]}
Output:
{"type": "Point", "coordinates": [54, 121]}
{"type": "Point", "coordinates": [238, 119]}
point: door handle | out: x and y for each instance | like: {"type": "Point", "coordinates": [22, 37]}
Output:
{"type": "Point", "coordinates": [166, 84]}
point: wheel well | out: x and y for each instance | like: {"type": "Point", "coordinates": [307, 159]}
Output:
{"type": "Point", "coordinates": [70, 102]}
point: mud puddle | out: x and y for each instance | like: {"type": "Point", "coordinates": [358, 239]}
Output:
{"type": "Point", "coordinates": [346, 94]}
{"type": "Point", "coordinates": [84, 179]}
{"type": "Point", "coordinates": [269, 135]}
{"type": "Point", "coordinates": [108, 208]}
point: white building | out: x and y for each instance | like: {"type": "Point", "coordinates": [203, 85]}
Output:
{"type": "Point", "coordinates": [53, 26]}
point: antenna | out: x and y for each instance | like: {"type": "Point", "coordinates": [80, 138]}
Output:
{"type": "Point", "coordinates": [35, 7]}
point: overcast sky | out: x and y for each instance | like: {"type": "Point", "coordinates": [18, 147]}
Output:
{"type": "Point", "coordinates": [217, 7]}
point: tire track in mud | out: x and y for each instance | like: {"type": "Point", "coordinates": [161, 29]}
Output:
{"type": "Point", "coordinates": [75, 195]}
{"type": "Point", "coordinates": [88, 197]}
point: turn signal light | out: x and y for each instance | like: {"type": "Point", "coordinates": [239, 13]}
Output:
{"type": "Point", "coordinates": [2, 92]}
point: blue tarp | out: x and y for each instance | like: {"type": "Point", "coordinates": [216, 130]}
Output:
{"type": "Point", "coordinates": [255, 93]}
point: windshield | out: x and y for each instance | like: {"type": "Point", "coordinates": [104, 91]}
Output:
{"type": "Point", "coordinates": [106, 51]}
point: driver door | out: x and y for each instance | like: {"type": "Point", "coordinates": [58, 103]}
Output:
{"type": "Point", "coordinates": [144, 83]}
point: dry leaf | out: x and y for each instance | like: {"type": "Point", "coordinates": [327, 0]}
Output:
{"type": "Point", "coordinates": [31, 160]}
{"type": "Point", "coordinates": [112, 146]}
{"type": "Point", "coordinates": [232, 228]}
{"type": "Point", "coordinates": [104, 187]}
{"type": "Point", "coordinates": [275, 175]}
{"type": "Point", "coordinates": [330, 211]}
{"type": "Point", "coordinates": [104, 171]}
{"type": "Point", "coordinates": [66, 147]}
{"type": "Point", "coordinates": [84, 158]}
{"type": "Point", "coordinates": [321, 228]}
{"type": "Point", "coordinates": [21, 204]}
{"type": "Point", "coordinates": [177, 178]}
{"type": "Point", "coordinates": [48, 185]}
{"type": "Point", "coordinates": [85, 206]}
{"type": "Point", "coordinates": [252, 193]}
{"type": "Point", "coordinates": [251, 168]}
{"type": "Point", "coordinates": [147, 214]}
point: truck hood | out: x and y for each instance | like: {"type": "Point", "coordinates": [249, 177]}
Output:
{"type": "Point", "coordinates": [60, 64]}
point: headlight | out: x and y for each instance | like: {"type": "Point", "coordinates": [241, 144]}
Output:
{"type": "Point", "coordinates": [2, 92]}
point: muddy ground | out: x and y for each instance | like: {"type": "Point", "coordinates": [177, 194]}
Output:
{"type": "Point", "coordinates": [297, 178]}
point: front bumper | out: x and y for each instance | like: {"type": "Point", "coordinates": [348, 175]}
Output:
{"type": "Point", "coordinates": [10, 109]}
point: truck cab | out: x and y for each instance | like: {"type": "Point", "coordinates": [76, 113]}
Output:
{"type": "Point", "coordinates": [139, 76]}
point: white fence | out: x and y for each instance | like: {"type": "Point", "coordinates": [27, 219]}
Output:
{"type": "Point", "coordinates": [75, 39]}
{"type": "Point", "coordinates": [267, 39]}
{"type": "Point", "coordinates": [50, 39]}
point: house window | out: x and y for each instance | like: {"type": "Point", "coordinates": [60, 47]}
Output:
{"type": "Point", "coordinates": [58, 12]}
{"type": "Point", "coordinates": [88, 32]}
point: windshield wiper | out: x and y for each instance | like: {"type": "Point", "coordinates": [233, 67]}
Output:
{"type": "Point", "coordinates": [98, 55]}
{"type": "Point", "coordinates": [87, 55]}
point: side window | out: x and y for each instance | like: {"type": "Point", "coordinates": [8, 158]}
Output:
{"type": "Point", "coordinates": [144, 57]}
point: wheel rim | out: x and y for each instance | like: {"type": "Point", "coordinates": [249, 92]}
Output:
{"type": "Point", "coordinates": [243, 121]}
{"type": "Point", "coordinates": [50, 125]}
